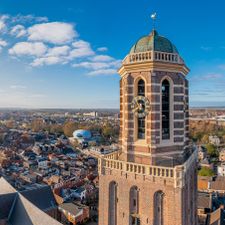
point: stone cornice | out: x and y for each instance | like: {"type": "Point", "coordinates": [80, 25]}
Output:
{"type": "Point", "coordinates": [153, 66]}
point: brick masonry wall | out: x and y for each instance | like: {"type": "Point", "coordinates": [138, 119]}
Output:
{"type": "Point", "coordinates": [179, 205]}
{"type": "Point", "coordinates": [180, 116]}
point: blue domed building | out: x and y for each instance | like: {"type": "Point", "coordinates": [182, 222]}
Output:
{"type": "Point", "coordinates": [82, 134]}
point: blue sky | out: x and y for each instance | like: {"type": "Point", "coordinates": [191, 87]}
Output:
{"type": "Point", "coordinates": [66, 53]}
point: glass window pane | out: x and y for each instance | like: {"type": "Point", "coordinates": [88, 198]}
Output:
{"type": "Point", "coordinates": [165, 110]}
{"type": "Point", "coordinates": [141, 121]}
{"type": "Point", "coordinates": [141, 128]}
{"type": "Point", "coordinates": [141, 88]}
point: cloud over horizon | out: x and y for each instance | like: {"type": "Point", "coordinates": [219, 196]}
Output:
{"type": "Point", "coordinates": [40, 42]}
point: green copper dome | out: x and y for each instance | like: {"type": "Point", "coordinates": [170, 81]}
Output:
{"type": "Point", "coordinates": [153, 42]}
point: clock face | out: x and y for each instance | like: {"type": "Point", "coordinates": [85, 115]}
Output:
{"type": "Point", "coordinates": [140, 106]}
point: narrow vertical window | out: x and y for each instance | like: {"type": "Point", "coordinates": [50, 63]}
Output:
{"type": "Point", "coordinates": [141, 121]}
{"type": "Point", "coordinates": [112, 203]}
{"type": "Point", "coordinates": [134, 206]}
{"type": "Point", "coordinates": [158, 208]}
{"type": "Point", "coordinates": [141, 128]}
{"type": "Point", "coordinates": [165, 110]}
{"type": "Point", "coordinates": [141, 88]}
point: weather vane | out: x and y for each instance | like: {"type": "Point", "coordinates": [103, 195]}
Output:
{"type": "Point", "coordinates": [153, 17]}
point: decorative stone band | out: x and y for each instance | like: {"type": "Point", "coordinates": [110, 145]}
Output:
{"type": "Point", "coordinates": [153, 56]}
{"type": "Point", "coordinates": [177, 173]}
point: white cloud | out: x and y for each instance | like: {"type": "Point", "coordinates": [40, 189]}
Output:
{"type": "Point", "coordinates": [4, 17]}
{"type": "Point", "coordinates": [51, 60]}
{"type": "Point", "coordinates": [3, 43]}
{"type": "Point", "coordinates": [115, 63]}
{"type": "Point", "coordinates": [81, 49]}
{"type": "Point", "coordinates": [103, 72]}
{"type": "Point", "coordinates": [28, 48]}
{"type": "Point", "coordinates": [37, 96]}
{"type": "Point", "coordinates": [59, 51]}
{"type": "Point", "coordinates": [102, 58]}
{"type": "Point", "coordinates": [18, 31]}
{"type": "Point", "coordinates": [91, 65]}
{"type": "Point", "coordinates": [81, 44]}
{"type": "Point", "coordinates": [102, 49]}
{"type": "Point", "coordinates": [55, 32]}
{"type": "Point", "coordinates": [56, 55]}
{"type": "Point", "coordinates": [100, 67]}
{"type": "Point", "coordinates": [213, 76]}
{"type": "Point", "coordinates": [2, 25]}
{"type": "Point", "coordinates": [28, 18]}
{"type": "Point", "coordinates": [18, 87]}
{"type": "Point", "coordinates": [49, 43]}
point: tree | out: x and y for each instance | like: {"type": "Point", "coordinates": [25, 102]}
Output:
{"type": "Point", "coordinates": [37, 125]}
{"type": "Point", "coordinates": [69, 127]}
{"type": "Point", "coordinates": [212, 150]}
{"type": "Point", "coordinates": [107, 130]}
{"type": "Point", "coordinates": [55, 128]}
{"type": "Point", "coordinates": [10, 124]}
{"type": "Point", "coordinates": [196, 135]}
{"type": "Point", "coordinates": [205, 139]}
{"type": "Point", "coordinates": [200, 128]}
{"type": "Point", "coordinates": [223, 138]}
{"type": "Point", "coordinates": [206, 172]}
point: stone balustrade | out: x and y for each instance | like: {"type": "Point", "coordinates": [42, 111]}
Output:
{"type": "Point", "coordinates": [112, 162]}
{"type": "Point", "coordinates": [139, 168]}
{"type": "Point", "coordinates": [153, 56]}
{"type": "Point", "coordinates": [112, 155]}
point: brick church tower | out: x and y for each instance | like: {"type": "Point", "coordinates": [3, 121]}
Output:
{"type": "Point", "coordinates": [152, 179]}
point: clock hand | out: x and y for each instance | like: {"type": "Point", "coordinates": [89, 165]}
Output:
{"type": "Point", "coordinates": [140, 106]}
{"type": "Point", "coordinates": [136, 108]}
{"type": "Point", "coordinates": [136, 103]}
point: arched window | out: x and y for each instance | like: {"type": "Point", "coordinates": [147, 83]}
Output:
{"type": "Point", "coordinates": [141, 88]}
{"type": "Point", "coordinates": [134, 206]}
{"type": "Point", "coordinates": [141, 121]}
{"type": "Point", "coordinates": [158, 208]}
{"type": "Point", "coordinates": [165, 110]}
{"type": "Point", "coordinates": [112, 203]}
